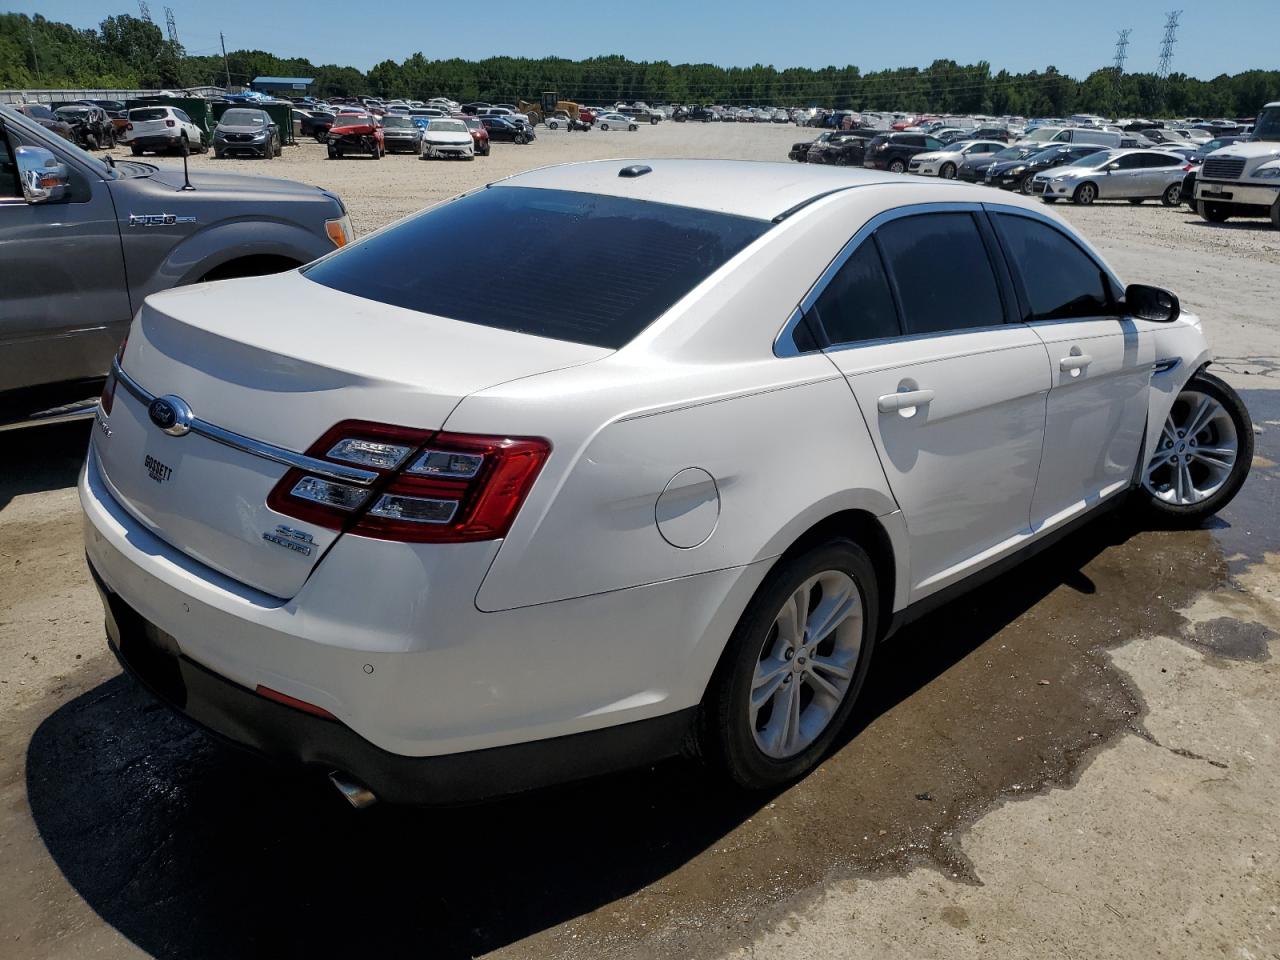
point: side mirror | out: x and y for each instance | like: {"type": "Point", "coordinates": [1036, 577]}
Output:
{"type": "Point", "coordinates": [1151, 303]}
{"type": "Point", "coordinates": [43, 178]}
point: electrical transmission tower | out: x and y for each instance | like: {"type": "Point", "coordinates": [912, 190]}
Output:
{"type": "Point", "coordinates": [1122, 49]}
{"type": "Point", "coordinates": [1166, 45]}
{"type": "Point", "coordinates": [145, 11]}
{"type": "Point", "coordinates": [171, 26]}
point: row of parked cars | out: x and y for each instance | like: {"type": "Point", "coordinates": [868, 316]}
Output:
{"type": "Point", "coordinates": [1080, 164]}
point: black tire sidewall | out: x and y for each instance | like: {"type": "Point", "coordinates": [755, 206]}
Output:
{"type": "Point", "coordinates": [1169, 514]}
{"type": "Point", "coordinates": [724, 735]}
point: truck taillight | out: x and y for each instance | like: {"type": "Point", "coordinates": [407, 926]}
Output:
{"type": "Point", "coordinates": [427, 487]}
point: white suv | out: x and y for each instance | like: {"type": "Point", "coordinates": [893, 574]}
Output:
{"type": "Point", "coordinates": [453, 544]}
{"type": "Point", "coordinates": [162, 128]}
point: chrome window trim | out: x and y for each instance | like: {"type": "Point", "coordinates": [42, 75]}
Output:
{"type": "Point", "coordinates": [258, 448]}
{"type": "Point", "coordinates": [784, 342]}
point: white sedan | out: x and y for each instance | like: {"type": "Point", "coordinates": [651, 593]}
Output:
{"type": "Point", "coordinates": [451, 543]}
{"type": "Point", "coordinates": [944, 163]}
{"type": "Point", "coordinates": [616, 121]}
{"type": "Point", "coordinates": [447, 138]}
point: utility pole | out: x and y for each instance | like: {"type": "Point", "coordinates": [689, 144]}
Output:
{"type": "Point", "coordinates": [226, 64]}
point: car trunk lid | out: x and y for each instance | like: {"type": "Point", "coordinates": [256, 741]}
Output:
{"type": "Point", "coordinates": [278, 363]}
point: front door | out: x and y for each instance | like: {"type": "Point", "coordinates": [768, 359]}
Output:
{"type": "Point", "coordinates": [953, 395]}
{"type": "Point", "coordinates": [1100, 364]}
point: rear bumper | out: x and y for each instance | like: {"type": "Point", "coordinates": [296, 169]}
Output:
{"type": "Point", "coordinates": [244, 718]}
{"type": "Point", "coordinates": [154, 143]}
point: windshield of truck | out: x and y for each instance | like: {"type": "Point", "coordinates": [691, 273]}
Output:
{"type": "Point", "coordinates": [1268, 125]}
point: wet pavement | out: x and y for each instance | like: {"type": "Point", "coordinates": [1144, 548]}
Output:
{"type": "Point", "coordinates": [193, 850]}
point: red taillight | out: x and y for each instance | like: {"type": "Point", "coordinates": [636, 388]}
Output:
{"type": "Point", "coordinates": [429, 487]}
{"type": "Point", "coordinates": [294, 702]}
{"type": "Point", "coordinates": [109, 388]}
{"type": "Point", "coordinates": [170, 123]}
{"type": "Point", "coordinates": [1188, 168]}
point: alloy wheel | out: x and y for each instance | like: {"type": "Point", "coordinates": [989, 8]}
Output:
{"type": "Point", "coordinates": [806, 664]}
{"type": "Point", "coordinates": [1198, 447]}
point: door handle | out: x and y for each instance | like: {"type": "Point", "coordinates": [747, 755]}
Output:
{"type": "Point", "coordinates": [891, 402]}
{"type": "Point", "coordinates": [1075, 362]}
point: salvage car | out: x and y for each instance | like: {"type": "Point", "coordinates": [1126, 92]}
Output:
{"type": "Point", "coordinates": [42, 115]}
{"type": "Point", "coordinates": [479, 135]}
{"type": "Point", "coordinates": [843, 148]}
{"type": "Point", "coordinates": [485, 544]}
{"type": "Point", "coordinates": [1243, 179]}
{"type": "Point", "coordinates": [946, 161]}
{"type": "Point", "coordinates": [355, 133]}
{"type": "Point", "coordinates": [447, 138]}
{"type": "Point", "coordinates": [1133, 175]}
{"type": "Point", "coordinates": [246, 132]}
{"type": "Point", "coordinates": [504, 131]}
{"type": "Point", "coordinates": [162, 129]}
{"type": "Point", "coordinates": [91, 128]}
{"type": "Point", "coordinates": [1019, 174]}
{"type": "Point", "coordinates": [134, 231]}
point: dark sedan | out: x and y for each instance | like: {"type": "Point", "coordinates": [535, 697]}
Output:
{"type": "Point", "coordinates": [974, 169]}
{"type": "Point", "coordinates": [1017, 174]}
{"type": "Point", "coordinates": [46, 118]}
{"type": "Point", "coordinates": [892, 151]}
{"type": "Point", "coordinates": [505, 131]}
{"type": "Point", "coordinates": [314, 123]}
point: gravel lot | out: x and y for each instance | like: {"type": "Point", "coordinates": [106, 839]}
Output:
{"type": "Point", "coordinates": [1079, 760]}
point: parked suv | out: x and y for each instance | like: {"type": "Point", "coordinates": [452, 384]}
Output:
{"type": "Point", "coordinates": [1019, 174]}
{"type": "Point", "coordinates": [1133, 175]}
{"type": "Point", "coordinates": [132, 230]}
{"type": "Point", "coordinates": [161, 129]}
{"type": "Point", "coordinates": [893, 151]}
{"type": "Point", "coordinates": [1243, 180]}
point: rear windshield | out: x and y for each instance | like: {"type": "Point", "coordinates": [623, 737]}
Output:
{"type": "Point", "coordinates": [149, 113]}
{"type": "Point", "coordinates": [516, 258]}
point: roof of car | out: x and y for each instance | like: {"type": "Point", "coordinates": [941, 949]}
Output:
{"type": "Point", "coordinates": [747, 188]}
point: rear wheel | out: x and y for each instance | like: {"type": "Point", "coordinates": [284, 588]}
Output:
{"type": "Point", "coordinates": [1212, 211]}
{"type": "Point", "coordinates": [793, 667]}
{"type": "Point", "coordinates": [1203, 454]}
{"type": "Point", "coordinates": [1085, 194]}
{"type": "Point", "coordinates": [1172, 195]}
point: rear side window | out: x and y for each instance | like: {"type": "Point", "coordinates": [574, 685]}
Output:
{"type": "Point", "coordinates": [857, 305]}
{"type": "Point", "coordinates": [515, 258]}
{"type": "Point", "coordinates": [941, 273]}
{"type": "Point", "coordinates": [1061, 281]}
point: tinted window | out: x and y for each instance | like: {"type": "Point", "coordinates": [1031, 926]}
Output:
{"type": "Point", "coordinates": [1131, 161]}
{"type": "Point", "coordinates": [1156, 160]}
{"type": "Point", "coordinates": [9, 184]}
{"type": "Point", "coordinates": [857, 304]}
{"type": "Point", "coordinates": [532, 247]}
{"type": "Point", "coordinates": [941, 272]}
{"type": "Point", "coordinates": [1061, 281]}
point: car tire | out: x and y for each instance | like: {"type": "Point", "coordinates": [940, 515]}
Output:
{"type": "Point", "coordinates": [333, 152]}
{"type": "Point", "coordinates": [552, 125]}
{"type": "Point", "coordinates": [1172, 195]}
{"type": "Point", "coordinates": [1170, 481]}
{"type": "Point", "coordinates": [279, 147]}
{"type": "Point", "coordinates": [947, 171]}
{"type": "Point", "coordinates": [219, 155]}
{"type": "Point", "coordinates": [730, 734]}
{"type": "Point", "coordinates": [897, 166]}
{"type": "Point", "coordinates": [1085, 194]}
{"type": "Point", "coordinates": [1024, 186]}
{"type": "Point", "coordinates": [520, 138]}
{"type": "Point", "coordinates": [1275, 214]}
{"type": "Point", "coordinates": [269, 150]}
{"type": "Point", "coordinates": [604, 126]}
{"type": "Point", "coordinates": [136, 150]}
{"type": "Point", "coordinates": [1212, 212]}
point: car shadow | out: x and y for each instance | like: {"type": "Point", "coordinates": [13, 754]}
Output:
{"type": "Point", "coordinates": [41, 458]}
{"type": "Point", "coordinates": [194, 850]}
{"type": "Point", "coordinates": [1250, 225]}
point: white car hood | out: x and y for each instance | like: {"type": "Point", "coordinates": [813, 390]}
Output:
{"type": "Point", "coordinates": [446, 136]}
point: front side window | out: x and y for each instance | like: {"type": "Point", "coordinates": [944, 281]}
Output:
{"type": "Point", "coordinates": [941, 273]}
{"type": "Point", "coordinates": [532, 247]}
{"type": "Point", "coordinates": [1061, 281]}
{"type": "Point", "coordinates": [857, 305]}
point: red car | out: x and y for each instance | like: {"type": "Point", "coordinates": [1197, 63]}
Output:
{"type": "Point", "coordinates": [479, 135]}
{"type": "Point", "coordinates": [356, 133]}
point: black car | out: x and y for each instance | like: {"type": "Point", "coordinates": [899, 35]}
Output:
{"type": "Point", "coordinates": [974, 169]}
{"type": "Point", "coordinates": [700, 114]}
{"type": "Point", "coordinates": [506, 131]}
{"type": "Point", "coordinates": [800, 150]}
{"type": "Point", "coordinates": [1017, 174]}
{"type": "Point", "coordinates": [315, 123]}
{"type": "Point", "coordinates": [892, 151]}
{"type": "Point", "coordinates": [841, 148]}
{"type": "Point", "coordinates": [91, 128]}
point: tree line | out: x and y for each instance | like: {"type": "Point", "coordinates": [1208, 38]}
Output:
{"type": "Point", "coordinates": [128, 52]}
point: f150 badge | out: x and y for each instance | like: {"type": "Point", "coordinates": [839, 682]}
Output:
{"type": "Point", "coordinates": [157, 219]}
{"type": "Point", "coordinates": [291, 539]}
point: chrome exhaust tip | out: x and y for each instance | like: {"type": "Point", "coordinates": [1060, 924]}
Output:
{"type": "Point", "coordinates": [355, 792]}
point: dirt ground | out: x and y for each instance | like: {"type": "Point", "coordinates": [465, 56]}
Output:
{"type": "Point", "coordinates": [1078, 760]}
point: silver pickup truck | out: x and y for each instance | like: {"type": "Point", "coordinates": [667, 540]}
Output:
{"type": "Point", "coordinates": [83, 242]}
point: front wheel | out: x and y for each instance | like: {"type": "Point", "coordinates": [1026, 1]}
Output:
{"type": "Point", "coordinates": [947, 171]}
{"type": "Point", "coordinates": [1212, 211]}
{"type": "Point", "coordinates": [1202, 456]}
{"type": "Point", "coordinates": [792, 669]}
{"type": "Point", "coordinates": [520, 138]}
{"type": "Point", "coordinates": [604, 126]}
{"type": "Point", "coordinates": [1024, 186]}
{"type": "Point", "coordinates": [1085, 194]}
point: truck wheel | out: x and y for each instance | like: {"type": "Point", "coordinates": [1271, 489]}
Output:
{"type": "Point", "coordinates": [1202, 456]}
{"type": "Point", "coordinates": [1212, 211]}
{"type": "Point", "coordinates": [793, 667]}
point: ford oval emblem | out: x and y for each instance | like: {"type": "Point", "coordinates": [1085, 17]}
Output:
{"type": "Point", "coordinates": [171, 414]}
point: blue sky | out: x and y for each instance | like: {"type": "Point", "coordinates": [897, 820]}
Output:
{"type": "Point", "coordinates": [1076, 36]}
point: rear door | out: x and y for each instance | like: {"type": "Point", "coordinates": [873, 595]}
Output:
{"type": "Point", "coordinates": [953, 394]}
{"type": "Point", "coordinates": [64, 302]}
{"type": "Point", "coordinates": [1100, 364]}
